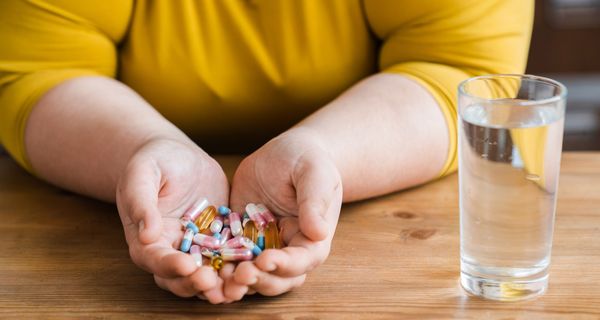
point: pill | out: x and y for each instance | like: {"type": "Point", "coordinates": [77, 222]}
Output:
{"type": "Point", "coordinates": [272, 239]}
{"type": "Point", "coordinates": [265, 213]}
{"type": "Point", "coordinates": [187, 224]}
{"type": "Point", "coordinates": [196, 254]}
{"type": "Point", "coordinates": [250, 231]}
{"type": "Point", "coordinates": [260, 242]}
{"type": "Point", "coordinates": [235, 224]}
{"type": "Point", "coordinates": [235, 242]}
{"type": "Point", "coordinates": [229, 254]}
{"type": "Point", "coordinates": [223, 210]}
{"type": "Point", "coordinates": [225, 235]}
{"type": "Point", "coordinates": [207, 252]}
{"type": "Point", "coordinates": [206, 217]}
{"type": "Point", "coordinates": [194, 211]}
{"type": "Point", "coordinates": [216, 225]}
{"type": "Point", "coordinates": [187, 240]}
{"type": "Point", "coordinates": [217, 236]}
{"type": "Point", "coordinates": [255, 216]}
{"type": "Point", "coordinates": [216, 262]}
{"type": "Point", "coordinates": [206, 241]}
{"type": "Point", "coordinates": [247, 243]}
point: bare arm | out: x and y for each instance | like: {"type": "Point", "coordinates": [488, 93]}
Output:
{"type": "Point", "coordinates": [386, 133]}
{"type": "Point", "coordinates": [82, 133]}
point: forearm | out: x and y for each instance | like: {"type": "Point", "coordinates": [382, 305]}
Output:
{"type": "Point", "coordinates": [386, 133]}
{"type": "Point", "coordinates": [82, 133]}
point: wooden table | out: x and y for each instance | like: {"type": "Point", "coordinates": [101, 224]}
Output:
{"type": "Point", "coordinates": [64, 256]}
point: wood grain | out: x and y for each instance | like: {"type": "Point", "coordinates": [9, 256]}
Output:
{"type": "Point", "coordinates": [63, 256]}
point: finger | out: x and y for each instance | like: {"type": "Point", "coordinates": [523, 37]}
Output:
{"type": "Point", "coordinates": [265, 283]}
{"type": "Point", "coordinates": [215, 295]}
{"type": "Point", "coordinates": [163, 261]}
{"type": "Point", "coordinates": [138, 197]}
{"type": "Point", "coordinates": [202, 280]}
{"type": "Point", "coordinates": [291, 261]}
{"type": "Point", "coordinates": [178, 286]}
{"type": "Point", "coordinates": [232, 290]}
{"type": "Point", "coordinates": [288, 227]}
{"type": "Point", "coordinates": [316, 183]}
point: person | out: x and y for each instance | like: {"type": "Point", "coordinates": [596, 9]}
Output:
{"type": "Point", "coordinates": [121, 100]}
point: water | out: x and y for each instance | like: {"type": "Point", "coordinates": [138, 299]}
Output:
{"type": "Point", "coordinates": [509, 159]}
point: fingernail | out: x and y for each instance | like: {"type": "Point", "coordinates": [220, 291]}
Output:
{"type": "Point", "coordinates": [253, 282]}
{"type": "Point", "coordinates": [270, 267]}
{"type": "Point", "coordinates": [141, 226]}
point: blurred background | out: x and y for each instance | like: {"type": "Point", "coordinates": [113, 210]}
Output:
{"type": "Point", "coordinates": [565, 46]}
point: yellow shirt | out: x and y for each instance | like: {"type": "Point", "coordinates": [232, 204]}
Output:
{"type": "Point", "coordinates": [239, 71]}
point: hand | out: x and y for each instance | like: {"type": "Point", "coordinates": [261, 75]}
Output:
{"type": "Point", "coordinates": [294, 176]}
{"type": "Point", "coordinates": [161, 181]}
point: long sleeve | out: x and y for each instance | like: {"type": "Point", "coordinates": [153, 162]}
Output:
{"type": "Point", "coordinates": [441, 43]}
{"type": "Point", "coordinates": [43, 44]}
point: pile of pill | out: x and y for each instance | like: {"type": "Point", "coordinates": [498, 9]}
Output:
{"type": "Point", "coordinates": [222, 235]}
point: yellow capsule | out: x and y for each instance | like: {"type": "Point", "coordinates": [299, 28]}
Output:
{"type": "Point", "coordinates": [272, 240]}
{"type": "Point", "coordinates": [250, 231]}
{"type": "Point", "coordinates": [216, 262]}
{"type": "Point", "coordinates": [206, 218]}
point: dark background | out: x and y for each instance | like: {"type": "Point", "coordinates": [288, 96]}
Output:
{"type": "Point", "coordinates": [565, 46]}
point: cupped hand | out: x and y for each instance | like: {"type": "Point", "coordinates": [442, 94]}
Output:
{"type": "Point", "coordinates": [162, 180]}
{"type": "Point", "coordinates": [295, 177]}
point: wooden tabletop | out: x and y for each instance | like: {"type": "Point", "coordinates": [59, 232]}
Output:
{"type": "Point", "coordinates": [64, 256]}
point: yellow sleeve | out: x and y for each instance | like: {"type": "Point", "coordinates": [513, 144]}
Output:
{"type": "Point", "coordinates": [44, 44]}
{"type": "Point", "coordinates": [440, 43]}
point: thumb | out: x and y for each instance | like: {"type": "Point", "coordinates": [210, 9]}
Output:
{"type": "Point", "coordinates": [137, 198]}
{"type": "Point", "coordinates": [316, 183]}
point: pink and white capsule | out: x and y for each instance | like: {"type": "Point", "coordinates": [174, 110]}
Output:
{"type": "Point", "coordinates": [216, 225]}
{"type": "Point", "coordinates": [252, 211]}
{"type": "Point", "coordinates": [196, 209]}
{"type": "Point", "coordinates": [235, 224]}
{"type": "Point", "coordinates": [207, 252]}
{"type": "Point", "coordinates": [225, 235]}
{"type": "Point", "coordinates": [236, 242]}
{"type": "Point", "coordinates": [265, 213]}
{"type": "Point", "coordinates": [206, 241]}
{"type": "Point", "coordinates": [229, 254]}
{"type": "Point", "coordinates": [196, 254]}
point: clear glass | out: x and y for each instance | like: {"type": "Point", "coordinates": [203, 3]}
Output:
{"type": "Point", "coordinates": [510, 141]}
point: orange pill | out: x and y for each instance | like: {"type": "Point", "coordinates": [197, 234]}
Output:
{"type": "Point", "coordinates": [272, 240]}
{"type": "Point", "coordinates": [206, 218]}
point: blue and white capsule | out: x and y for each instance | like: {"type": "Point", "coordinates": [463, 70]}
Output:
{"type": "Point", "coordinates": [223, 210]}
{"type": "Point", "coordinates": [248, 244]}
{"type": "Point", "coordinates": [187, 224]}
{"type": "Point", "coordinates": [186, 243]}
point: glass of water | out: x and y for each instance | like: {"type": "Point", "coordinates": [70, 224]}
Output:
{"type": "Point", "coordinates": [510, 140]}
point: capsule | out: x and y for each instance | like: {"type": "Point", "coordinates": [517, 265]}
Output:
{"type": "Point", "coordinates": [225, 236]}
{"type": "Point", "coordinates": [216, 262]}
{"type": "Point", "coordinates": [194, 211]}
{"type": "Point", "coordinates": [247, 243]}
{"type": "Point", "coordinates": [252, 211]}
{"type": "Point", "coordinates": [235, 224]}
{"type": "Point", "coordinates": [206, 241]}
{"type": "Point", "coordinates": [196, 254]}
{"type": "Point", "coordinates": [265, 213]}
{"type": "Point", "coordinates": [207, 252]}
{"type": "Point", "coordinates": [260, 242]}
{"type": "Point", "coordinates": [272, 239]}
{"type": "Point", "coordinates": [233, 243]}
{"type": "Point", "coordinates": [187, 240]}
{"type": "Point", "coordinates": [250, 231]}
{"type": "Point", "coordinates": [229, 254]}
{"type": "Point", "coordinates": [217, 236]}
{"type": "Point", "coordinates": [206, 217]}
{"type": "Point", "coordinates": [188, 224]}
{"type": "Point", "coordinates": [223, 210]}
{"type": "Point", "coordinates": [216, 225]}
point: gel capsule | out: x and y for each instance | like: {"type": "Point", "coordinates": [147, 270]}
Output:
{"type": "Point", "coordinates": [206, 241]}
{"type": "Point", "coordinates": [206, 217]}
{"type": "Point", "coordinates": [225, 235]}
{"type": "Point", "coordinates": [252, 211]}
{"type": "Point", "coordinates": [272, 240]}
{"type": "Point", "coordinates": [194, 211]}
{"type": "Point", "coordinates": [223, 210]}
{"type": "Point", "coordinates": [236, 254]}
{"type": "Point", "coordinates": [216, 262]}
{"type": "Point", "coordinates": [216, 225]}
{"type": "Point", "coordinates": [247, 243]}
{"type": "Point", "coordinates": [187, 240]}
{"type": "Point", "coordinates": [196, 254]}
{"type": "Point", "coordinates": [250, 231]}
{"type": "Point", "coordinates": [235, 224]}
